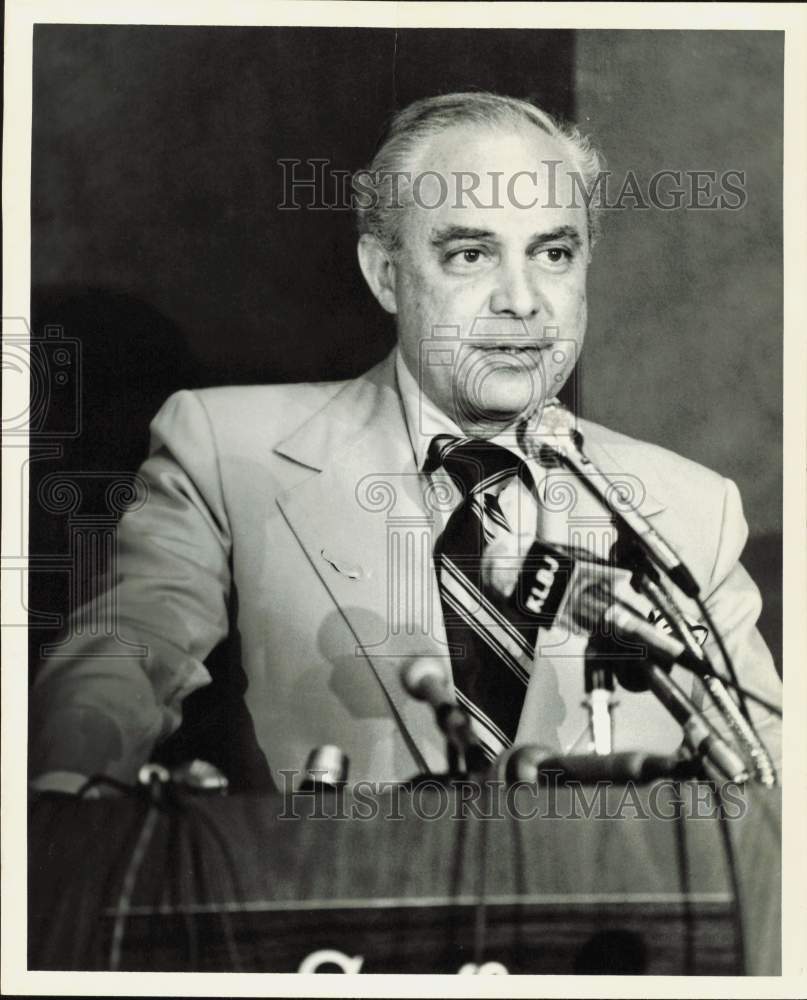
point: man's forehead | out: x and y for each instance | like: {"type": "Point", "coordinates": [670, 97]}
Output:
{"type": "Point", "coordinates": [469, 144]}
{"type": "Point", "coordinates": [473, 168]}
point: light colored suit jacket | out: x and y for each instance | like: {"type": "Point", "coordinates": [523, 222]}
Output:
{"type": "Point", "coordinates": [294, 517]}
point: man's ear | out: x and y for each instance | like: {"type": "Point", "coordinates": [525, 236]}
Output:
{"type": "Point", "coordinates": [378, 269]}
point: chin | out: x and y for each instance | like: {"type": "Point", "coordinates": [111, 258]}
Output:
{"type": "Point", "coordinates": [495, 413]}
{"type": "Point", "coordinates": [507, 397]}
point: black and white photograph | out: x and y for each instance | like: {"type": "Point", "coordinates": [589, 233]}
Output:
{"type": "Point", "coordinates": [403, 528]}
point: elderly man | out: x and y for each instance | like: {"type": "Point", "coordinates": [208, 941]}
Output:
{"type": "Point", "coordinates": [330, 528]}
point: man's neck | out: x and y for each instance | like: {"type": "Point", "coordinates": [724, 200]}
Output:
{"type": "Point", "coordinates": [424, 419]}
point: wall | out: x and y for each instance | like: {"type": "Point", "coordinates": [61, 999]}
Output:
{"type": "Point", "coordinates": [684, 344]}
{"type": "Point", "coordinates": [685, 339]}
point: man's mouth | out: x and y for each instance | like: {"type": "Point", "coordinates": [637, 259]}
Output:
{"type": "Point", "coordinates": [514, 349]}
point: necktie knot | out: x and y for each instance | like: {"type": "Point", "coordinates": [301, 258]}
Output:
{"type": "Point", "coordinates": [477, 466]}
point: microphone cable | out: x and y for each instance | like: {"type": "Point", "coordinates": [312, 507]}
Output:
{"type": "Point", "coordinates": [201, 883]}
{"type": "Point", "coordinates": [200, 823]}
{"type": "Point", "coordinates": [136, 858]}
{"type": "Point", "coordinates": [734, 880]}
{"type": "Point", "coordinates": [724, 654]}
{"type": "Point", "coordinates": [74, 939]}
{"type": "Point", "coordinates": [188, 824]}
{"type": "Point", "coordinates": [515, 822]}
{"type": "Point", "coordinates": [481, 905]}
{"type": "Point", "coordinates": [175, 867]}
{"type": "Point", "coordinates": [737, 719]}
{"type": "Point", "coordinates": [685, 884]}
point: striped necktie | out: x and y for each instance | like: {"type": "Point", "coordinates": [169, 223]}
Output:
{"type": "Point", "coordinates": [491, 651]}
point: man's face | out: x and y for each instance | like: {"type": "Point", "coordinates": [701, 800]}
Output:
{"type": "Point", "coordinates": [489, 288]}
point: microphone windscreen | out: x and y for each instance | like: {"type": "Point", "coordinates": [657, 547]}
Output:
{"type": "Point", "coordinates": [590, 593]}
{"type": "Point", "coordinates": [591, 603]}
{"type": "Point", "coordinates": [564, 586]}
{"type": "Point", "coordinates": [327, 765]}
{"type": "Point", "coordinates": [541, 586]}
{"type": "Point", "coordinates": [627, 662]}
{"type": "Point", "coordinates": [553, 428]}
{"type": "Point", "coordinates": [618, 768]}
{"type": "Point", "coordinates": [524, 763]}
{"type": "Point", "coordinates": [426, 679]}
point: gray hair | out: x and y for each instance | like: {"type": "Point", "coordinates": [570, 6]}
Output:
{"type": "Point", "coordinates": [377, 208]}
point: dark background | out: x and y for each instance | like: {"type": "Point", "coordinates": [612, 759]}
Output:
{"type": "Point", "coordinates": [157, 244]}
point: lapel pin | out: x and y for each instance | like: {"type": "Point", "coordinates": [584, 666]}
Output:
{"type": "Point", "coordinates": [351, 570]}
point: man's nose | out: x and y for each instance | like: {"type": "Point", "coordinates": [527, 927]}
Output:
{"type": "Point", "coordinates": [515, 292]}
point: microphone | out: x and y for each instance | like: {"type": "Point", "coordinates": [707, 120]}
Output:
{"type": "Point", "coordinates": [566, 446]}
{"type": "Point", "coordinates": [200, 776]}
{"type": "Point", "coordinates": [600, 613]}
{"type": "Point", "coordinates": [595, 608]}
{"type": "Point", "coordinates": [529, 762]}
{"type": "Point", "coordinates": [326, 768]}
{"type": "Point", "coordinates": [425, 679]}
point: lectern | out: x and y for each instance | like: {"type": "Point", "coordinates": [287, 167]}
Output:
{"type": "Point", "coordinates": [657, 879]}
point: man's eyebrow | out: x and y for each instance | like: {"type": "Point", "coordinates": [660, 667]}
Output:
{"type": "Point", "coordinates": [451, 233]}
{"type": "Point", "coordinates": [570, 233]}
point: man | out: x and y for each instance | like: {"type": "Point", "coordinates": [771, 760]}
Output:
{"type": "Point", "coordinates": [321, 525]}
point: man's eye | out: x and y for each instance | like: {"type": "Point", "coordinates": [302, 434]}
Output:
{"type": "Point", "coordinates": [467, 257]}
{"type": "Point", "coordinates": [556, 255]}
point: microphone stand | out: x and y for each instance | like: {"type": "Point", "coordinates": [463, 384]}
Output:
{"type": "Point", "coordinates": [465, 755]}
{"type": "Point", "coordinates": [425, 679]}
{"type": "Point", "coordinates": [599, 682]}
{"type": "Point", "coordinates": [566, 447]}
{"type": "Point", "coordinates": [646, 580]}
{"type": "Point", "coordinates": [710, 753]}
{"type": "Point", "coordinates": [467, 761]}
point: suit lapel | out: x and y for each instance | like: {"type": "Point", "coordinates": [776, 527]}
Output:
{"type": "Point", "coordinates": [366, 528]}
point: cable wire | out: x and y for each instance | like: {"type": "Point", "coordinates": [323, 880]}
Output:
{"type": "Point", "coordinates": [734, 879]}
{"type": "Point", "coordinates": [481, 906]}
{"type": "Point", "coordinates": [204, 824]}
{"type": "Point", "coordinates": [738, 720]}
{"type": "Point", "coordinates": [727, 660]}
{"type": "Point", "coordinates": [129, 883]}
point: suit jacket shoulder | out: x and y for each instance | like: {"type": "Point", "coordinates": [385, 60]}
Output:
{"type": "Point", "coordinates": [257, 419]}
{"type": "Point", "coordinates": [263, 414]}
{"type": "Point", "coordinates": [699, 510]}
{"type": "Point", "coordinates": [661, 466]}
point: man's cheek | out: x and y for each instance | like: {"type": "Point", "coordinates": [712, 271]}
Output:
{"type": "Point", "coordinates": [579, 295]}
{"type": "Point", "coordinates": [571, 313]}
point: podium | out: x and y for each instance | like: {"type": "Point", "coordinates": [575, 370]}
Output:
{"type": "Point", "coordinates": [654, 879]}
